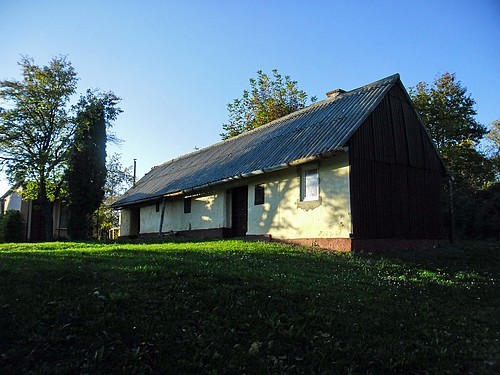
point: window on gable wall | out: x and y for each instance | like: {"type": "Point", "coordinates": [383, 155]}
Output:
{"type": "Point", "coordinates": [187, 205]}
{"type": "Point", "coordinates": [259, 195]}
{"type": "Point", "coordinates": [309, 183]}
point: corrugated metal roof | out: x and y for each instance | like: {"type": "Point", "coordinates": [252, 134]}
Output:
{"type": "Point", "coordinates": [316, 130]}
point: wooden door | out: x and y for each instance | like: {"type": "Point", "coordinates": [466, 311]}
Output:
{"type": "Point", "coordinates": [239, 211]}
{"type": "Point", "coordinates": [135, 222]}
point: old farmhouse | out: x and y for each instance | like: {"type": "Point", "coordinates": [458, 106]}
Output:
{"type": "Point", "coordinates": [357, 170]}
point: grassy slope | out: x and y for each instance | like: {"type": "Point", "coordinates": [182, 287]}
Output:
{"type": "Point", "coordinates": [247, 308]}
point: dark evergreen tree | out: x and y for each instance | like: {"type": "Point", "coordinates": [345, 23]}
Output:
{"type": "Point", "coordinates": [86, 175]}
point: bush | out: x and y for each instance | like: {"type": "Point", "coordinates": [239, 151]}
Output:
{"type": "Point", "coordinates": [487, 222]}
{"type": "Point", "coordinates": [12, 227]}
{"type": "Point", "coordinates": [477, 212]}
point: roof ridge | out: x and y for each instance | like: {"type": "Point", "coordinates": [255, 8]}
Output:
{"type": "Point", "coordinates": [384, 81]}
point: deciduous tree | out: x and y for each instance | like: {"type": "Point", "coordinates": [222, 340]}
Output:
{"type": "Point", "coordinates": [36, 129]}
{"type": "Point", "coordinates": [118, 180]}
{"type": "Point", "coordinates": [268, 99]}
{"type": "Point", "coordinates": [493, 148]}
{"type": "Point", "coordinates": [448, 112]}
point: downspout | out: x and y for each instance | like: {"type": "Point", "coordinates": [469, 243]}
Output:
{"type": "Point", "coordinates": [162, 216]}
{"type": "Point", "coordinates": [451, 234]}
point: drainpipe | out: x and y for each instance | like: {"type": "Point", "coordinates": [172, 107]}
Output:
{"type": "Point", "coordinates": [451, 234]}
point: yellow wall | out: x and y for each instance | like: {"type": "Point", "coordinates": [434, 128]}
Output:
{"type": "Point", "coordinates": [284, 216]}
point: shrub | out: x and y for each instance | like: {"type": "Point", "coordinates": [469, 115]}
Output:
{"type": "Point", "coordinates": [487, 223]}
{"type": "Point", "coordinates": [12, 227]}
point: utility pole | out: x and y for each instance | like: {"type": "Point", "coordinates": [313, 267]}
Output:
{"type": "Point", "coordinates": [135, 170]}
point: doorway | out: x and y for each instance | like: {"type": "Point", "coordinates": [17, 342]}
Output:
{"type": "Point", "coordinates": [239, 211]}
{"type": "Point", "coordinates": [135, 222]}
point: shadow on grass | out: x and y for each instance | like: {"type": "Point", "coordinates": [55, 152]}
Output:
{"type": "Point", "coordinates": [239, 307]}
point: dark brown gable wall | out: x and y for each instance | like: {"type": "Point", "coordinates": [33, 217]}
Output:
{"type": "Point", "coordinates": [395, 175]}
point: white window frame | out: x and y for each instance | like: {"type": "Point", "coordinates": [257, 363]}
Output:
{"type": "Point", "coordinates": [314, 194]}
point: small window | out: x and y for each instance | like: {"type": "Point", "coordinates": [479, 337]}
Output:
{"type": "Point", "coordinates": [259, 195]}
{"type": "Point", "coordinates": [187, 205]}
{"type": "Point", "coordinates": [309, 184]}
{"type": "Point", "coordinates": [157, 207]}
{"type": "Point", "coordinates": [63, 217]}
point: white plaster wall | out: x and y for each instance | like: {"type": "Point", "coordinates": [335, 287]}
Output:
{"type": "Point", "coordinates": [284, 216]}
{"type": "Point", "coordinates": [125, 222]}
{"type": "Point", "coordinates": [207, 212]}
{"type": "Point", "coordinates": [13, 202]}
{"type": "Point", "coordinates": [150, 219]}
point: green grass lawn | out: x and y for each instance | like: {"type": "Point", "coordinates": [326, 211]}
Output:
{"type": "Point", "coordinates": [237, 307]}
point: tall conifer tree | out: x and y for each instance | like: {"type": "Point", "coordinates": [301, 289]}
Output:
{"type": "Point", "coordinates": [86, 173]}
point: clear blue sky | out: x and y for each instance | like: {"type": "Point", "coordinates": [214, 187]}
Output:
{"type": "Point", "coordinates": [177, 64]}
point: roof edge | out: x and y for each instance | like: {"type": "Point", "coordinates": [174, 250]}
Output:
{"type": "Point", "coordinates": [199, 188]}
{"type": "Point", "coordinates": [412, 105]}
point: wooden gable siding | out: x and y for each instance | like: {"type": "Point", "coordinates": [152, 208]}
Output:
{"type": "Point", "coordinates": [396, 175]}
